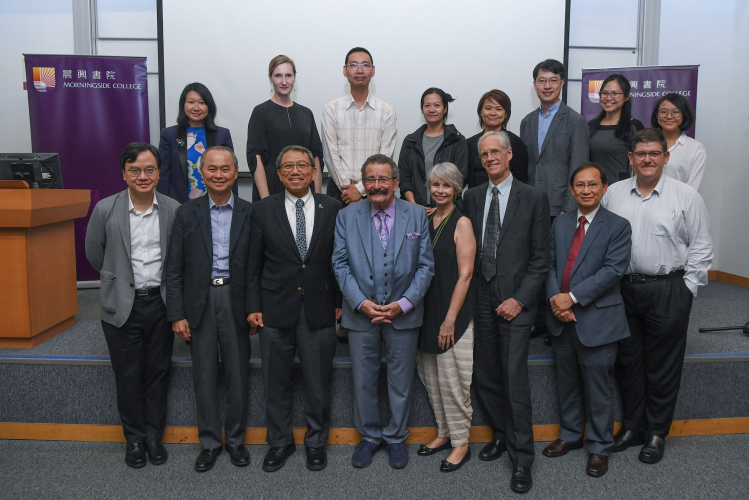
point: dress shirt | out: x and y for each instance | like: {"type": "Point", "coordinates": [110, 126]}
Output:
{"type": "Point", "coordinates": [309, 213]}
{"type": "Point", "coordinates": [351, 135]}
{"type": "Point", "coordinates": [544, 122]}
{"type": "Point", "coordinates": [670, 229]}
{"type": "Point", "coordinates": [220, 235]}
{"type": "Point", "coordinates": [145, 244]}
{"type": "Point", "coordinates": [588, 220]}
{"type": "Point", "coordinates": [504, 195]}
{"type": "Point", "coordinates": [687, 161]}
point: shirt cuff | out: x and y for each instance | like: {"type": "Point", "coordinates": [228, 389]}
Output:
{"type": "Point", "coordinates": [358, 308]}
{"type": "Point", "coordinates": [574, 300]}
{"type": "Point", "coordinates": [405, 304]}
{"type": "Point", "coordinates": [360, 187]}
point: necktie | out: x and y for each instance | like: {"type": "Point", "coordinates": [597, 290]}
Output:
{"type": "Point", "coordinates": [383, 229]}
{"type": "Point", "coordinates": [577, 242]}
{"type": "Point", "coordinates": [301, 230]}
{"type": "Point", "coordinates": [491, 237]}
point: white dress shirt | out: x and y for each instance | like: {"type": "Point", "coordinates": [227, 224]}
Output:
{"type": "Point", "coordinates": [309, 213]}
{"type": "Point", "coordinates": [687, 161]}
{"type": "Point", "coordinates": [504, 195]}
{"type": "Point", "coordinates": [588, 220]}
{"type": "Point", "coordinates": [145, 244]}
{"type": "Point", "coordinates": [670, 229]}
{"type": "Point", "coordinates": [351, 135]}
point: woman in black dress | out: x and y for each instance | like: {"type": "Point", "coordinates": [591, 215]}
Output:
{"type": "Point", "coordinates": [275, 124]}
{"type": "Point", "coordinates": [445, 356]}
{"type": "Point", "coordinates": [494, 112]}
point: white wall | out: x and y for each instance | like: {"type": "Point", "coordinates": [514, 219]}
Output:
{"type": "Point", "coordinates": [31, 27]}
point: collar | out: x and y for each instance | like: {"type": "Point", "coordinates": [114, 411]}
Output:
{"type": "Point", "coordinates": [552, 110]}
{"type": "Point", "coordinates": [293, 199]}
{"type": "Point", "coordinates": [370, 100]}
{"type": "Point", "coordinates": [390, 211]}
{"type": "Point", "coordinates": [590, 216]}
{"type": "Point", "coordinates": [682, 140]}
{"type": "Point", "coordinates": [657, 189]}
{"type": "Point", "coordinates": [503, 186]}
{"type": "Point", "coordinates": [131, 207]}
{"type": "Point", "coordinates": [211, 204]}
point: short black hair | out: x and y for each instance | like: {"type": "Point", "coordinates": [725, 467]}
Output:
{"type": "Point", "coordinates": [687, 113]}
{"type": "Point", "coordinates": [205, 94]}
{"type": "Point", "coordinates": [550, 65]}
{"type": "Point", "coordinates": [446, 99]}
{"type": "Point", "coordinates": [134, 149]}
{"type": "Point", "coordinates": [586, 165]}
{"type": "Point", "coordinates": [358, 49]}
{"type": "Point", "coordinates": [649, 135]}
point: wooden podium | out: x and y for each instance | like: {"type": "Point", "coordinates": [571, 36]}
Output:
{"type": "Point", "coordinates": [37, 261]}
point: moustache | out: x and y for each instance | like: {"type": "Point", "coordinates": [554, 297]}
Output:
{"type": "Point", "coordinates": [377, 191]}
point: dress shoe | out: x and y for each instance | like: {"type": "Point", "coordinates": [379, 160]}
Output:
{"type": "Point", "coordinates": [239, 455]}
{"type": "Point", "coordinates": [135, 455]}
{"type": "Point", "coordinates": [559, 448]}
{"type": "Point", "coordinates": [652, 452]}
{"type": "Point", "coordinates": [363, 453]}
{"type": "Point", "coordinates": [156, 451]}
{"type": "Point", "coordinates": [317, 458]}
{"type": "Point", "coordinates": [521, 481]}
{"type": "Point", "coordinates": [446, 466]}
{"type": "Point", "coordinates": [493, 450]}
{"type": "Point", "coordinates": [275, 458]}
{"type": "Point", "coordinates": [626, 438]}
{"type": "Point", "coordinates": [425, 451]}
{"type": "Point", "coordinates": [398, 455]}
{"type": "Point", "coordinates": [598, 465]}
{"type": "Point", "coordinates": [207, 459]}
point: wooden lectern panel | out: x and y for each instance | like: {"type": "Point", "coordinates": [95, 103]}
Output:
{"type": "Point", "coordinates": [14, 306]}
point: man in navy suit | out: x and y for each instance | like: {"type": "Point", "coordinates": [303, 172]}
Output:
{"type": "Point", "coordinates": [590, 250]}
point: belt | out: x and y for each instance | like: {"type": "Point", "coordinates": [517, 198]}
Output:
{"type": "Point", "coordinates": [645, 278]}
{"type": "Point", "coordinates": [220, 281]}
{"type": "Point", "coordinates": [144, 292]}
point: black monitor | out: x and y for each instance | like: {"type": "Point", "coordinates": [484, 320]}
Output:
{"type": "Point", "coordinates": [40, 170]}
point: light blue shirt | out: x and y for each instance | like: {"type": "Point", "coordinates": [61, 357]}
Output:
{"type": "Point", "coordinates": [220, 234]}
{"type": "Point", "coordinates": [544, 122]}
{"type": "Point", "coordinates": [504, 195]}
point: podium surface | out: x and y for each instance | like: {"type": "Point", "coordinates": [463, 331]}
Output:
{"type": "Point", "coordinates": [37, 262]}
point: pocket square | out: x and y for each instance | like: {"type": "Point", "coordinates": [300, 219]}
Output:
{"type": "Point", "coordinates": [411, 236]}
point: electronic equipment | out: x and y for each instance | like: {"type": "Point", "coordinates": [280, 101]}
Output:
{"type": "Point", "coordinates": [39, 170]}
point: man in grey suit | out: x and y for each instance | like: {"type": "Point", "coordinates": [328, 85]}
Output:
{"type": "Point", "coordinates": [126, 241]}
{"type": "Point", "coordinates": [589, 254]}
{"type": "Point", "coordinates": [383, 261]}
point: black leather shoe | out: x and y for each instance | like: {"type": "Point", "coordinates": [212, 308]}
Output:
{"type": "Point", "coordinates": [626, 438]}
{"type": "Point", "coordinates": [652, 452]}
{"type": "Point", "coordinates": [521, 481]}
{"type": "Point", "coordinates": [157, 454]}
{"type": "Point", "coordinates": [446, 466]}
{"type": "Point", "coordinates": [493, 450]}
{"type": "Point", "coordinates": [317, 458]}
{"type": "Point", "coordinates": [239, 455]}
{"type": "Point", "coordinates": [425, 451]}
{"type": "Point", "coordinates": [207, 459]}
{"type": "Point", "coordinates": [275, 458]}
{"type": "Point", "coordinates": [135, 455]}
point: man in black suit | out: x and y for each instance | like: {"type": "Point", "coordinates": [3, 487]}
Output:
{"type": "Point", "coordinates": [206, 302]}
{"type": "Point", "coordinates": [293, 299]}
{"type": "Point", "coordinates": [511, 223]}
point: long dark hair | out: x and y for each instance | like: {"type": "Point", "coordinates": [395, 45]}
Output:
{"type": "Point", "coordinates": [624, 127]}
{"type": "Point", "coordinates": [204, 94]}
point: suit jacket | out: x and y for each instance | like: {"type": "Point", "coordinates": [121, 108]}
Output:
{"type": "Point", "coordinates": [353, 262]}
{"type": "Point", "coordinates": [279, 279]}
{"type": "Point", "coordinates": [191, 260]}
{"type": "Point", "coordinates": [596, 275]}
{"type": "Point", "coordinates": [108, 250]}
{"type": "Point", "coordinates": [173, 149]}
{"type": "Point", "coordinates": [523, 246]}
{"type": "Point", "coordinates": [565, 148]}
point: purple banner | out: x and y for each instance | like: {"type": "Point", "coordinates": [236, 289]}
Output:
{"type": "Point", "coordinates": [87, 109]}
{"type": "Point", "coordinates": [648, 85]}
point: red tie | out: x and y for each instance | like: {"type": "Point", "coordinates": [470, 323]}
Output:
{"type": "Point", "coordinates": [577, 242]}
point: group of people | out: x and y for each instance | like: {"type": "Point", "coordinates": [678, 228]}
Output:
{"type": "Point", "coordinates": [442, 282]}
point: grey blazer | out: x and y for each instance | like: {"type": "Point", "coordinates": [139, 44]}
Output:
{"type": "Point", "coordinates": [108, 250]}
{"type": "Point", "coordinates": [565, 148]}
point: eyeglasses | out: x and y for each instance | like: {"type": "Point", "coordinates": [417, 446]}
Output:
{"type": "Point", "coordinates": [135, 172]}
{"type": "Point", "coordinates": [591, 185]}
{"type": "Point", "coordinates": [494, 152]}
{"type": "Point", "coordinates": [553, 81]}
{"type": "Point", "coordinates": [654, 155]}
{"type": "Point", "coordinates": [352, 66]}
{"type": "Point", "coordinates": [606, 94]}
{"type": "Point", "coordinates": [675, 113]}
{"type": "Point", "coordinates": [370, 181]}
{"type": "Point", "coordinates": [300, 165]}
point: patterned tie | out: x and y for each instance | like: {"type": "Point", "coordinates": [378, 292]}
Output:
{"type": "Point", "coordinates": [577, 242]}
{"type": "Point", "coordinates": [383, 229]}
{"type": "Point", "coordinates": [491, 237]}
{"type": "Point", "coordinates": [301, 230]}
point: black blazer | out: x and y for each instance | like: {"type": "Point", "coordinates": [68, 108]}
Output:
{"type": "Point", "coordinates": [523, 250]}
{"type": "Point", "coordinates": [518, 164]}
{"type": "Point", "coordinates": [278, 279]}
{"type": "Point", "coordinates": [190, 261]}
{"type": "Point", "coordinates": [173, 149]}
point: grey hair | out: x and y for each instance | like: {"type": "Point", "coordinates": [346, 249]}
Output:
{"type": "Point", "coordinates": [301, 149]}
{"type": "Point", "coordinates": [380, 159]}
{"type": "Point", "coordinates": [447, 172]}
{"type": "Point", "coordinates": [219, 148]}
{"type": "Point", "coordinates": [504, 139]}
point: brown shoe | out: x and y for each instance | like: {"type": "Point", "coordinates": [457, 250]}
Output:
{"type": "Point", "coordinates": [598, 465]}
{"type": "Point", "coordinates": [559, 448]}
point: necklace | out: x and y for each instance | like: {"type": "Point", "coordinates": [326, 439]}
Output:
{"type": "Point", "coordinates": [441, 226]}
